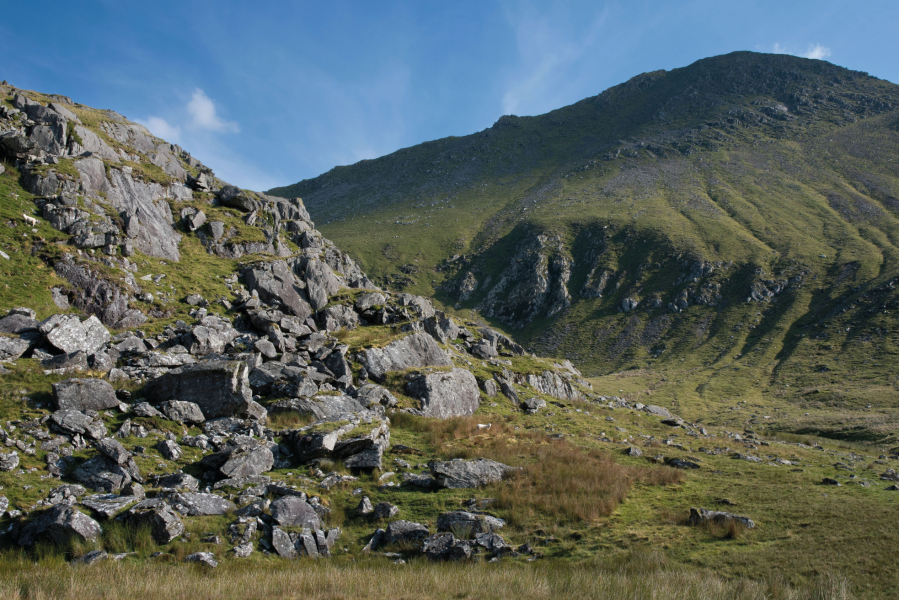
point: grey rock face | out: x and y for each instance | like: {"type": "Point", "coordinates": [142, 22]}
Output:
{"type": "Point", "coordinates": [114, 451]}
{"type": "Point", "coordinates": [248, 463]}
{"type": "Point", "coordinates": [441, 328]}
{"type": "Point", "coordinates": [266, 374]}
{"type": "Point", "coordinates": [165, 524]}
{"type": "Point", "coordinates": [183, 412]}
{"type": "Point", "coordinates": [415, 350]}
{"type": "Point", "coordinates": [169, 450]}
{"type": "Point", "coordinates": [59, 524]}
{"type": "Point", "coordinates": [84, 394]}
{"type": "Point", "coordinates": [459, 521]}
{"type": "Point", "coordinates": [385, 510]}
{"type": "Point", "coordinates": [275, 281]}
{"type": "Point", "coordinates": [321, 407]}
{"type": "Point", "coordinates": [532, 405]}
{"type": "Point", "coordinates": [289, 511]}
{"type": "Point", "coordinates": [468, 473]}
{"type": "Point", "coordinates": [66, 363]}
{"type": "Point", "coordinates": [365, 507]}
{"type": "Point", "coordinates": [17, 323]}
{"type": "Point", "coordinates": [92, 293]}
{"type": "Point", "coordinates": [368, 301]}
{"type": "Point", "coordinates": [446, 394]}
{"type": "Point", "coordinates": [12, 348]}
{"type": "Point", "coordinates": [701, 515]}
{"type": "Point", "coordinates": [179, 481]}
{"type": "Point", "coordinates": [371, 395]}
{"type": "Point", "coordinates": [72, 421]}
{"type": "Point", "coordinates": [219, 388]}
{"type": "Point", "coordinates": [340, 317]}
{"type": "Point", "coordinates": [283, 544]}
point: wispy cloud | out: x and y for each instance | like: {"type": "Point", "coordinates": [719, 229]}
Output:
{"type": "Point", "coordinates": [816, 51]}
{"type": "Point", "coordinates": [204, 115]}
{"type": "Point", "coordinates": [550, 41]}
{"type": "Point", "coordinates": [162, 129]}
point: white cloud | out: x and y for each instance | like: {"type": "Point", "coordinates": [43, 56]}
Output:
{"type": "Point", "coordinates": [816, 51]}
{"type": "Point", "coordinates": [162, 129]}
{"type": "Point", "coordinates": [203, 114]}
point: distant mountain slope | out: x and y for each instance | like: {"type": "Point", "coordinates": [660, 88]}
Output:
{"type": "Point", "coordinates": [745, 205]}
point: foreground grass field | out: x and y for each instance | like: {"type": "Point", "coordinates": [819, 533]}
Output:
{"type": "Point", "coordinates": [638, 576]}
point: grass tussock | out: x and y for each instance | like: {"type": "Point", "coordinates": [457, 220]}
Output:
{"type": "Point", "coordinates": [377, 579]}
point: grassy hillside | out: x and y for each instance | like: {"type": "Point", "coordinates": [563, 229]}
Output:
{"type": "Point", "coordinates": [740, 174]}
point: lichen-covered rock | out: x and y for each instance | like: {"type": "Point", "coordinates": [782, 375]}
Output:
{"type": "Point", "coordinates": [199, 505]}
{"type": "Point", "coordinates": [275, 281]}
{"type": "Point", "coordinates": [103, 474]}
{"type": "Point", "coordinates": [404, 532]}
{"type": "Point", "coordinates": [446, 394]}
{"type": "Point", "coordinates": [445, 546]}
{"type": "Point", "coordinates": [699, 516]}
{"type": "Point", "coordinates": [219, 388]}
{"type": "Point", "coordinates": [290, 511]}
{"type": "Point", "coordinates": [12, 348]}
{"type": "Point", "coordinates": [73, 421]}
{"type": "Point", "coordinates": [69, 334]}
{"type": "Point", "coordinates": [459, 521]}
{"type": "Point", "coordinates": [165, 524]}
{"type": "Point", "coordinates": [84, 394]}
{"type": "Point", "coordinates": [9, 461]}
{"type": "Point", "coordinates": [183, 412]}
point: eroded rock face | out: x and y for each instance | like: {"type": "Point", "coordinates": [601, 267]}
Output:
{"type": "Point", "coordinates": [68, 334]}
{"type": "Point", "coordinates": [275, 281]}
{"type": "Point", "coordinates": [415, 350]}
{"type": "Point", "coordinates": [289, 511]}
{"type": "Point", "coordinates": [84, 394]}
{"type": "Point", "coordinates": [219, 388]}
{"type": "Point", "coordinates": [446, 394]}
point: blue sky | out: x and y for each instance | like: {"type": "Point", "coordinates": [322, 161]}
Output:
{"type": "Point", "coordinates": [268, 93]}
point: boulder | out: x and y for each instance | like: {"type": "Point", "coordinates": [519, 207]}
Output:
{"type": "Point", "coordinates": [364, 507]}
{"type": "Point", "coordinates": [84, 394]}
{"type": "Point", "coordinates": [460, 521]}
{"type": "Point", "coordinates": [385, 510]}
{"type": "Point", "coordinates": [290, 511]}
{"type": "Point", "coordinates": [532, 405]}
{"type": "Point", "coordinates": [73, 421]}
{"type": "Point", "coordinates": [371, 395]}
{"type": "Point", "coordinates": [446, 394]}
{"type": "Point", "coordinates": [103, 474]}
{"type": "Point", "coordinates": [275, 281]}
{"type": "Point", "coordinates": [114, 451]}
{"type": "Point", "coordinates": [207, 559]}
{"type": "Point", "coordinates": [183, 412]}
{"type": "Point", "coordinates": [404, 532]}
{"type": "Point", "coordinates": [468, 473]}
{"type": "Point", "coordinates": [12, 348]}
{"type": "Point", "coordinates": [108, 505]}
{"type": "Point", "coordinates": [243, 457]}
{"type": "Point", "coordinates": [414, 351]}
{"type": "Point", "coordinates": [199, 505]}
{"type": "Point", "coordinates": [169, 450]}
{"type": "Point", "coordinates": [445, 546]}
{"type": "Point", "coordinates": [699, 516]}
{"type": "Point", "coordinates": [165, 524]}
{"type": "Point", "coordinates": [59, 524]}
{"type": "Point", "coordinates": [283, 544]}
{"type": "Point", "coordinates": [369, 301]}
{"type": "Point", "coordinates": [178, 481]}
{"type": "Point", "coordinates": [9, 461]}
{"type": "Point", "coordinates": [66, 363]}
{"type": "Point", "coordinates": [17, 323]}
{"type": "Point", "coordinates": [219, 388]}
{"type": "Point", "coordinates": [339, 317]}
{"type": "Point", "coordinates": [441, 328]}
{"type": "Point", "coordinates": [68, 334]}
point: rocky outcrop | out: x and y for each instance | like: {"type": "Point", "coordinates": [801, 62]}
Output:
{"type": "Point", "coordinates": [57, 525]}
{"type": "Point", "coordinates": [219, 388]}
{"type": "Point", "coordinates": [415, 350]}
{"type": "Point", "coordinates": [84, 394]}
{"type": "Point", "coordinates": [446, 394]}
{"type": "Point", "coordinates": [468, 473]}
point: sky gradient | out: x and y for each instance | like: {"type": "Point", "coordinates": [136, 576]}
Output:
{"type": "Point", "coordinates": [269, 93]}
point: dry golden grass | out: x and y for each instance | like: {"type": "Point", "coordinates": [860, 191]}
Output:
{"type": "Point", "coordinates": [644, 577]}
{"type": "Point", "coordinates": [560, 482]}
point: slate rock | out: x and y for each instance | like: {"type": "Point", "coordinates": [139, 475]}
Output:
{"type": "Point", "coordinates": [207, 559]}
{"type": "Point", "coordinates": [366, 460]}
{"type": "Point", "coordinates": [68, 334]}
{"type": "Point", "coordinates": [291, 511]}
{"type": "Point", "coordinates": [385, 510]}
{"type": "Point", "coordinates": [468, 473]}
{"type": "Point", "coordinates": [371, 394]}
{"type": "Point", "coordinates": [94, 556]}
{"type": "Point", "coordinates": [84, 394]}
{"type": "Point", "coordinates": [532, 405]}
{"type": "Point", "coordinates": [283, 544]}
{"type": "Point", "coordinates": [17, 323]}
{"type": "Point", "coordinates": [66, 363]}
{"type": "Point", "coordinates": [365, 507]}
{"type": "Point", "coordinates": [108, 505]}
{"type": "Point", "coordinates": [446, 394]}
{"type": "Point", "coordinates": [58, 525]}
{"type": "Point", "coordinates": [275, 281]}
{"type": "Point", "coordinates": [414, 351]}
{"type": "Point", "coordinates": [169, 450]}
{"type": "Point", "coordinates": [179, 481]}
{"type": "Point", "coordinates": [102, 474]}
{"type": "Point", "coordinates": [114, 451]}
{"type": "Point", "coordinates": [219, 388]}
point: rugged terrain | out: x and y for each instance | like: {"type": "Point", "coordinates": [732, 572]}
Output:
{"type": "Point", "coordinates": [193, 372]}
{"type": "Point", "coordinates": [735, 218]}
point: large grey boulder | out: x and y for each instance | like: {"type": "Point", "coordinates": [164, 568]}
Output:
{"type": "Point", "coordinates": [17, 323]}
{"type": "Point", "coordinates": [290, 511]}
{"type": "Point", "coordinates": [108, 505]}
{"type": "Point", "coordinates": [178, 481]}
{"type": "Point", "coordinates": [199, 505]}
{"type": "Point", "coordinates": [413, 351]}
{"type": "Point", "coordinates": [446, 394]}
{"type": "Point", "coordinates": [371, 396]}
{"type": "Point", "coordinates": [84, 394]}
{"type": "Point", "coordinates": [445, 546]}
{"type": "Point", "coordinates": [12, 348]}
{"type": "Point", "coordinates": [339, 317]}
{"type": "Point", "coordinates": [59, 524]}
{"type": "Point", "coordinates": [441, 327]}
{"type": "Point", "coordinates": [103, 474]}
{"type": "Point", "coordinates": [69, 334]}
{"type": "Point", "coordinates": [243, 457]}
{"type": "Point", "coordinates": [265, 375]}
{"type": "Point", "coordinates": [468, 473]}
{"type": "Point", "coordinates": [114, 451]}
{"type": "Point", "coordinates": [211, 336]}
{"type": "Point", "coordinates": [321, 407]}
{"type": "Point", "coordinates": [9, 461]}
{"type": "Point", "coordinates": [275, 281]}
{"type": "Point", "coordinates": [165, 524]}
{"type": "Point", "coordinates": [219, 388]}
{"type": "Point", "coordinates": [459, 521]}
{"type": "Point", "coordinates": [73, 421]}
